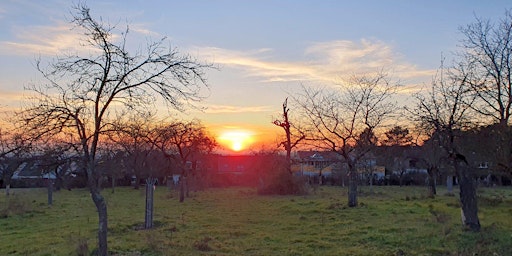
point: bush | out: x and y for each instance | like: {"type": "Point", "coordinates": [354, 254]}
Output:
{"type": "Point", "coordinates": [283, 183]}
{"type": "Point", "coordinates": [15, 206]}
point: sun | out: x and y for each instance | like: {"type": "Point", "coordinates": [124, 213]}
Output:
{"type": "Point", "coordinates": [236, 140]}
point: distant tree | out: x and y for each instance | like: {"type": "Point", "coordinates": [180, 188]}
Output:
{"type": "Point", "coordinates": [83, 92]}
{"type": "Point", "coordinates": [431, 158]}
{"type": "Point", "coordinates": [445, 110]}
{"type": "Point", "coordinates": [397, 136]}
{"type": "Point", "coordinates": [53, 159]}
{"type": "Point", "coordinates": [338, 116]}
{"type": "Point", "coordinates": [134, 138]}
{"type": "Point", "coordinates": [397, 142]}
{"type": "Point", "coordinates": [184, 142]}
{"type": "Point", "coordinates": [15, 150]}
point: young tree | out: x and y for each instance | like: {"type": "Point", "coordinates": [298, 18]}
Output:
{"type": "Point", "coordinates": [83, 92]}
{"type": "Point", "coordinates": [337, 117]}
{"type": "Point", "coordinates": [446, 111]}
{"type": "Point", "coordinates": [184, 142]}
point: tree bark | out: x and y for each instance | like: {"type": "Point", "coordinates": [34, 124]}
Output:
{"type": "Point", "coordinates": [468, 200]}
{"type": "Point", "coordinates": [182, 188]}
{"type": "Point", "coordinates": [449, 184]}
{"type": "Point", "coordinates": [113, 184]}
{"type": "Point", "coordinates": [101, 206]}
{"type": "Point", "coordinates": [50, 191]}
{"type": "Point", "coordinates": [432, 190]}
{"type": "Point", "coordinates": [352, 188]}
{"type": "Point", "coordinates": [148, 219]}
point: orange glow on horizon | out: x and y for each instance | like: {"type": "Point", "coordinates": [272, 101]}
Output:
{"type": "Point", "coordinates": [236, 140]}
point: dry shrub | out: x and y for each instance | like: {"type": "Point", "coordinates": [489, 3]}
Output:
{"type": "Point", "coordinates": [202, 245]}
{"type": "Point", "coordinates": [15, 206]}
{"type": "Point", "coordinates": [283, 183]}
{"type": "Point", "coordinates": [82, 247]}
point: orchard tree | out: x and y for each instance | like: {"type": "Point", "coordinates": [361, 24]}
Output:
{"type": "Point", "coordinates": [132, 137]}
{"type": "Point", "coordinates": [486, 70]}
{"type": "Point", "coordinates": [446, 111]}
{"type": "Point", "coordinates": [339, 115]}
{"type": "Point", "coordinates": [14, 151]}
{"type": "Point", "coordinates": [82, 92]}
{"type": "Point", "coordinates": [134, 140]}
{"type": "Point", "coordinates": [184, 142]}
{"type": "Point", "coordinates": [485, 66]}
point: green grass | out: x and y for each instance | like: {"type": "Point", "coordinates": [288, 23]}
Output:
{"type": "Point", "coordinates": [237, 221]}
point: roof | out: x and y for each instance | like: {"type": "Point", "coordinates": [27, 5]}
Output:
{"type": "Point", "coordinates": [312, 155]}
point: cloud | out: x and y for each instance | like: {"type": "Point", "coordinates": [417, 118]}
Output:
{"type": "Point", "coordinates": [222, 109]}
{"type": "Point", "coordinates": [324, 62]}
{"type": "Point", "coordinates": [56, 40]}
{"type": "Point", "coordinates": [44, 40]}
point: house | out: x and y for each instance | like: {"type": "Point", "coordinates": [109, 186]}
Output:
{"type": "Point", "coordinates": [319, 166]}
{"type": "Point", "coordinates": [29, 174]}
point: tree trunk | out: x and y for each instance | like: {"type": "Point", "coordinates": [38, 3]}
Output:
{"type": "Point", "coordinates": [352, 188]}
{"type": "Point", "coordinates": [136, 184]}
{"type": "Point", "coordinates": [182, 188]}
{"type": "Point", "coordinates": [148, 219]}
{"type": "Point", "coordinates": [113, 184]}
{"type": "Point", "coordinates": [50, 192]}
{"type": "Point", "coordinates": [187, 187]}
{"type": "Point", "coordinates": [101, 207]}
{"type": "Point", "coordinates": [432, 191]}
{"type": "Point", "coordinates": [449, 184]}
{"type": "Point", "coordinates": [169, 183]}
{"type": "Point", "coordinates": [371, 182]}
{"type": "Point", "coordinates": [468, 200]}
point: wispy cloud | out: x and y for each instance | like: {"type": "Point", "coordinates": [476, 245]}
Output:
{"type": "Point", "coordinates": [44, 40]}
{"type": "Point", "coordinates": [57, 39]}
{"type": "Point", "coordinates": [223, 109]}
{"type": "Point", "coordinates": [324, 62]}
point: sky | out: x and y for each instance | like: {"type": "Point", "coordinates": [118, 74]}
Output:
{"type": "Point", "coordinates": [264, 50]}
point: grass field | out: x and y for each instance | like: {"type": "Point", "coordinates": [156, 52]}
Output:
{"type": "Point", "coordinates": [237, 221]}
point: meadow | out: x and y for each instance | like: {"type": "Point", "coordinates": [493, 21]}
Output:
{"type": "Point", "coordinates": [238, 221]}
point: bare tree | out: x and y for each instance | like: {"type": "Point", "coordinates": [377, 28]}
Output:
{"type": "Point", "coordinates": [142, 157]}
{"type": "Point", "coordinates": [133, 137]}
{"type": "Point", "coordinates": [14, 152]}
{"type": "Point", "coordinates": [83, 92]}
{"type": "Point", "coordinates": [338, 116]}
{"type": "Point", "coordinates": [445, 110]}
{"type": "Point", "coordinates": [485, 66]}
{"type": "Point", "coordinates": [293, 134]}
{"type": "Point", "coordinates": [184, 142]}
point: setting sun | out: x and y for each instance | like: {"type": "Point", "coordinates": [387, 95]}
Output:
{"type": "Point", "coordinates": [236, 140]}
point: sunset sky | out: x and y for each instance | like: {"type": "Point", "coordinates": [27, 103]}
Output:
{"type": "Point", "coordinates": [264, 49]}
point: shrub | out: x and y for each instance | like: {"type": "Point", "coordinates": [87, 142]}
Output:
{"type": "Point", "coordinates": [283, 183]}
{"type": "Point", "coordinates": [202, 245]}
{"type": "Point", "coordinates": [15, 206]}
